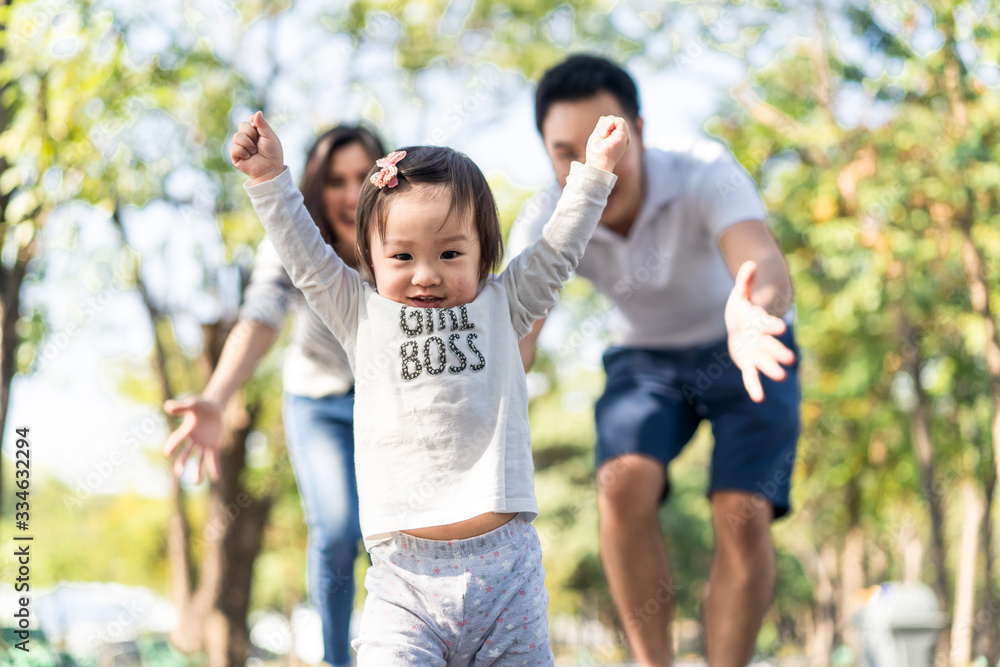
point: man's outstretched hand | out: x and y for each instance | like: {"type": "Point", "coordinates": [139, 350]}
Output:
{"type": "Point", "coordinates": [751, 332]}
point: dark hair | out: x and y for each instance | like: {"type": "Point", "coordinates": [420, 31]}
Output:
{"type": "Point", "coordinates": [582, 76]}
{"type": "Point", "coordinates": [434, 165]}
{"type": "Point", "coordinates": [318, 168]}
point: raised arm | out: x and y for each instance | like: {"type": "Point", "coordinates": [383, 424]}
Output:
{"type": "Point", "coordinates": [332, 289]}
{"type": "Point", "coordinates": [256, 150]}
{"type": "Point", "coordinates": [533, 278]}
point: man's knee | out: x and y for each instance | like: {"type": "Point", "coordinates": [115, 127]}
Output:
{"type": "Point", "coordinates": [742, 520]}
{"type": "Point", "coordinates": [630, 486]}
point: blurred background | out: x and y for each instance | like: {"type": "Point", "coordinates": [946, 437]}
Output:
{"type": "Point", "coordinates": [126, 238]}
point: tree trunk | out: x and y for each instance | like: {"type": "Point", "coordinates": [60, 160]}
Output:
{"type": "Point", "coordinates": [231, 540]}
{"type": "Point", "coordinates": [212, 613]}
{"type": "Point", "coordinates": [924, 450]}
{"type": "Point", "coordinates": [11, 279]}
{"type": "Point", "coordinates": [912, 553]}
{"type": "Point", "coordinates": [179, 566]}
{"type": "Point", "coordinates": [852, 581]}
{"type": "Point", "coordinates": [821, 623]}
{"type": "Point", "coordinates": [852, 567]}
{"type": "Point", "coordinates": [826, 607]}
{"type": "Point", "coordinates": [979, 295]}
{"type": "Point", "coordinates": [988, 619]}
{"type": "Point", "coordinates": [213, 616]}
{"type": "Point", "coordinates": [965, 576]}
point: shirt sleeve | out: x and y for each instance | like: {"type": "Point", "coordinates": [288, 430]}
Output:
{"type": "Point", "coordinates": [728, 195]}
{"type": "Point", "coordinates": [530, 221]}
{"type": "Point", "coordinates": [331, 288]}
{"type": "Point", "coordinates": [270, 289]}
{"type": "Point", "coordinates": [534, 277]}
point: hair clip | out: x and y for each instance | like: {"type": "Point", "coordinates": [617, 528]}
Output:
{"type": "Point", "coordinates": [387, 177]}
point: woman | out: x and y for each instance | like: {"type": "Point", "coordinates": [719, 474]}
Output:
{"type": "Point", "coordinates": [318, 384]}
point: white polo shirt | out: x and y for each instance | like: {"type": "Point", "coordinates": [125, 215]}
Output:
{"type": "Point", "coordinates": [667, 278]}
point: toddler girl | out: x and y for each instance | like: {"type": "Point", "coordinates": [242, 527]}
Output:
{"type": "Point", "coordinates": [442, 451]}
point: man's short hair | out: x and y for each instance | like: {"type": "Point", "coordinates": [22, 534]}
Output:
{"type": "Point", "coordinates": [582, 76]}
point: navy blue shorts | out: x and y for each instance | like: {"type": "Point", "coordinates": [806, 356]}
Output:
{"type": "Point", "coordinates": [654, 400]}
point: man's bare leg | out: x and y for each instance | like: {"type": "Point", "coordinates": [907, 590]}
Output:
{"type": "Point", "coordinates": [742, 577]}
{"type": "Point", "coordinates": [633, 555]}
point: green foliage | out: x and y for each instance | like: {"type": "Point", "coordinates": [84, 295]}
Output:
{"type": "Point", "coordinates": [870, 216]}
{"type": "Point", "coordinates": [869, 213]}
{"type": "Point", "coordinates": [526, 37]}
{"type": "Point", "coordinates": [82, 536]}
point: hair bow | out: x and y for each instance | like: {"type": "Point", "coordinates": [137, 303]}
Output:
{"type": "Point", "coordinates": [387, 177]}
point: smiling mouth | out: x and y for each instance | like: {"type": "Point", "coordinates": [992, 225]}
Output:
{"type": "Point", "coordinates": [427, 301]}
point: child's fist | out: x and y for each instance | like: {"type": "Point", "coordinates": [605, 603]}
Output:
{"type": "Point", "coordinates": [256, 150]}
{"type": "Point", "coordinates": [608, 142]}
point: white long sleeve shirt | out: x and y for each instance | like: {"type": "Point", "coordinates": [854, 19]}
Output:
{"type": "Point", "coordinates": [441, 406]}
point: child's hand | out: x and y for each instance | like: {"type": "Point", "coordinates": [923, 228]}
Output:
{"type": "Point", "coordinates": [256, 150]}
{"type": "Point", "coordinates": [608, 142]}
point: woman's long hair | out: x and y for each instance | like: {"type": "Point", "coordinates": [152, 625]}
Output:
{"type": "Point", "coordinates": [318, 169]}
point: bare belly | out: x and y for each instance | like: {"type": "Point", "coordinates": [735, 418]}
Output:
{"type": "Point", "coordinates": [477, 525]}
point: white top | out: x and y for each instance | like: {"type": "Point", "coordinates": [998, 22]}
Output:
{"type": "Point", "coordinates": [315, 364]}
{"type": "Point", "coordinates": [441, 406]}
{"type": "Point", "coordinates": [667, 278]}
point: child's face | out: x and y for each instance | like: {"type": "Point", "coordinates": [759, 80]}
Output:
{"type": "Point", "coordinates": [429, 257]}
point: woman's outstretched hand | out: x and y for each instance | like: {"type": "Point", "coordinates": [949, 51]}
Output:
{"type": "Point", "coordinates": [200, 433]}
{"type": "Point", "coordinates": [256, 150]}
{"type": "Point", "coordinates": [608, 142]}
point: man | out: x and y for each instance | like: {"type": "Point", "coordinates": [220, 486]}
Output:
{"type": "Point", "coordinates": [690, 343]}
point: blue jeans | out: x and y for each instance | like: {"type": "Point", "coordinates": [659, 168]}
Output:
{"type": "Point", "coordinates": [320, 435]}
